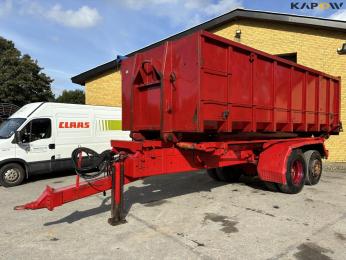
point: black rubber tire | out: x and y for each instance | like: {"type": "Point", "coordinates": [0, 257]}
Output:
{"type": "Point", "coordinates": [313, 162]}
{"type": "Point", "coordinates": [212, 174]}
{"type": "Point", "coordinates": [19, 171]}
{"type": "Point", "coordinates": [271, 186]}
{"type": "Point", "coordinates": [295, 158]}
{"type": "Point", "coordinates": [229, 173]}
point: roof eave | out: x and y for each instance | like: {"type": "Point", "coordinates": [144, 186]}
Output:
{"type": "Point", "coordinates": [83, 77]}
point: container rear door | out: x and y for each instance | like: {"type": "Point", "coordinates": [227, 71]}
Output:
{"type": "Point", "coordinates": [147, 90]}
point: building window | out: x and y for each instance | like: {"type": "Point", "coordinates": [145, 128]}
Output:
{"type": "Point", "coordinates": [289, 56]}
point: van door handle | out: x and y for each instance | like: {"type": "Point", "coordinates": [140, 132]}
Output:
{"type": "Point", "coordinates": [51, 146]}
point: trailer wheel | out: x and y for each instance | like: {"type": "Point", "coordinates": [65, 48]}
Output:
{"type": "Point", "coordinates": [314, 167]}
{"type": "Point", "coordinates": [212, 174]}
{"type": "Point", "coordinates": [295, 173]}
{"type": "Point", "coordinates": [11, 174]}
{"type": "Point", "coordinates": [228, 174]}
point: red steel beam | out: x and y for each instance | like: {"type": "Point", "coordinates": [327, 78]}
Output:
{"type": "Point", "coordinates": [51, 198]}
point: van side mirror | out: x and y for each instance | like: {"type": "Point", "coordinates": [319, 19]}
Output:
{"type": "Point", "coordinates": [17, 138]}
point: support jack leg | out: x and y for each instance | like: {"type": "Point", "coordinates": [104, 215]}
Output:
{"type": "Point", "coordinates": [117, 217]}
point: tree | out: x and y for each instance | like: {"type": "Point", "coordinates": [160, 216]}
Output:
{"type": "Point", "coordinates": [76, 96]}
{"type": "Point", "coordinates": [21, 79]}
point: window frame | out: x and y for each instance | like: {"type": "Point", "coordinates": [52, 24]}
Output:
{"type": "Point", "coordinates": [29, 124]}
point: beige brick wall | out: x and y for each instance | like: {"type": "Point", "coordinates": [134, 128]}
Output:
{"type": "Point", "coordinates": [315, 48]}
{"type": "Point", "coordinates": [104, 90]}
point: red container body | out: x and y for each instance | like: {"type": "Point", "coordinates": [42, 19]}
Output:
{"type": "Point", "coordinates": [203, 84]}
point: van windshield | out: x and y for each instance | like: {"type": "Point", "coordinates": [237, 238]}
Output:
{"type": "Point", "coordinates": [9, 126]}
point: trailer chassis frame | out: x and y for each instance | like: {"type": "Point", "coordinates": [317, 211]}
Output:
{"type": "Point", "coordinates": [140, 159]}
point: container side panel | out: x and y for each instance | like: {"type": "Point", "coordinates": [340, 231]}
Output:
{"type": "Point", "coordinates": [282, 86]}
{"type": "Point", "coordinates": [214, 55]}
{"type": "Point", "coordinates": [185, 65]}
{"type": "Point", "coordinates": [311, 93]}
{"type": "Point", "coordinates": [331, 96]}
{"type": "Point", "coordinates": [214, 65]}
{"type": "Point", "coordinates": [336, 104]}
{"type": "Point", "coordinates": [263, 82]}
{"type": "Point", "coordinates": [214, 87]}
{"type": "Point", "coordinates": [240, 90]}
{"type": "Point", "coordinates": [323, 96]}
{"type": "Point", "coordinates": [297, 89]}
{"type": "Point", "coordinates": [241, 77]}
{"type": "Point", "coordinates": [214, 84]}
{"type": "Point", "coordinates": [336, 107]}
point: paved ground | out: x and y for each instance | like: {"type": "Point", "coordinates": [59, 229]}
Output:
{"type": "Point", "coordinates": [185, 216]}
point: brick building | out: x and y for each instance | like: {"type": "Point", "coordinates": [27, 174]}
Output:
{"type": "Point", "coordinates": [310, 41]}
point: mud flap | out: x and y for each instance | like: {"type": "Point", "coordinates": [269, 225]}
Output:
{"type": "Point", "coordinates": [272, 163]}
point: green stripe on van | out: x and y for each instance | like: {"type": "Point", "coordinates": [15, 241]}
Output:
{"type": "Point", "coordinates": [110, 125]}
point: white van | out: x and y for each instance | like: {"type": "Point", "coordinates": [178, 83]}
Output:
{"type": "Point", "coordinates": [40, 137]}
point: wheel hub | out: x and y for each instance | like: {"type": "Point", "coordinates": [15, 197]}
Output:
{"type": "Point", "coordinates": [11, 175]}
{"type": "Point", "coordinates": [316, 168]}
{"type": "Point", "coordinates": [297, 172]}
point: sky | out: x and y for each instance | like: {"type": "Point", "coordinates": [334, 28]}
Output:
{"type": "Point", "coordinates": [69, 37]}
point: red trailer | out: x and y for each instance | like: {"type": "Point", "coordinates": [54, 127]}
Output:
{"type": "Point", "coordinates": [205, 102]}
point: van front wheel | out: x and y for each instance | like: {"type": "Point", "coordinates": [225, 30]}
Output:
{"type": "Point", "coordinates": [11, 174]}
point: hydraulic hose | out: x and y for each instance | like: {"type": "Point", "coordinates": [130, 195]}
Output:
{"type": "Point", "coordinates": [90, 164]}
